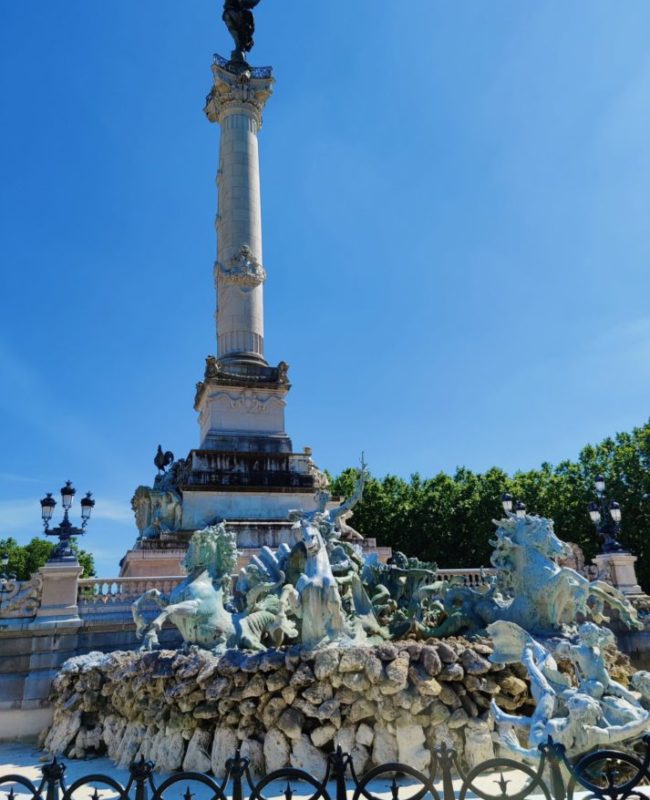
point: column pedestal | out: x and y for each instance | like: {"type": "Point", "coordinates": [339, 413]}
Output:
{"type": "Point", "coordinates": [59, 597]}
{"type": "Point", "coordinates": [620, 567]}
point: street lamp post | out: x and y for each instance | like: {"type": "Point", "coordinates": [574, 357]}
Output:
{"type": "Point", "coordinates": [606, 516]}
{"type": "Point", "coordinates": [508, 503]}
{"type": "Point", "coordinates": [65, 530]}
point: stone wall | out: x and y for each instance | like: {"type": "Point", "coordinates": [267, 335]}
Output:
{"type": "Point", "coordinates": [190, 710]}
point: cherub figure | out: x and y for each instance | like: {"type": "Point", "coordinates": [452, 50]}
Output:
{"type": "Point", "coordinates": [570, 716]}
{"type": "Point", "coordinates": [589, 663]}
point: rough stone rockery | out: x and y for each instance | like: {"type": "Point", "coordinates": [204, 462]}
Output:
{"type": "Point", "coordinates": [290, 706]}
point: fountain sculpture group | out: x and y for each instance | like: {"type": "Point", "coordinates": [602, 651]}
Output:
{"type": "Point", "coordinates": [323, 593]}
{"type": "Point", "coordinates": [317, 645]}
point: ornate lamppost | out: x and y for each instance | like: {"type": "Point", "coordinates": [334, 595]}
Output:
{"type": "Point", "coordinates": [65, 530]}
{"type": "Point", "coordinates": [508, 503]}
{"type": "Point", "coordinates": [606, 516]}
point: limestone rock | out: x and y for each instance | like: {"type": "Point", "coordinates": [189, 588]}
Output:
{"type": "Point", "coordinates": [512, 685]}
{"type": "Point", "coordinates": [62, 733]}
{"type": "Point", "coordinates": [355, 681]}
{"type": "Point", "coordinates": [276, 681]}
{"type": "Point", "coordinates": [326, 663]}
{"type": "Point", "coordinates": [442, 734]}
{"type": "Point", "coordinates": [330, 710]}
{"type": "Point", "coordinates": [430, 660]}
{"type": "Point", "coordinates": [361, 709]}
{"type": "Point", "coordinates": [322, 735]}
{"type": "Point", "coordinates": [217, 689]}
{"type": "Point", "coordinates": [291, 723]}
{"type": "Point", "coordinates": [276, 750]}
{"type": "Point", "coordinates": [396, 675]}
{"type": "Point", "coordinates": [130, 744]}
{"type": "Point", "coordinates": [449, 696]}
{"type": "Point", "coordinates": [478, 742]}
{"type": "Point", "coordinates": [446, 652]}
{"type": "Point", "coordinates": [168, 755]}
{"type": "Point", "coordinates": [289, 695]}
{"type": "Point", "coordinates": [197, 757]}
{"type": "Point", "coordinates": [386, 651]}
{"type": "Point", "coordinates": [374, 668]}
{"type": "Point", "coordinates": [424, 684]}
{"type": "Point", "coordinates": [411, 748]}
{"type": "Point", "coordinates": [353, 660]}
{"type": "Point", "coordinates": [452, 672]}
{"type": "Point", "coordinates": [365, 734]}
{"type": "Point", "coordinates": [307, 757]}
{"type": "Point", "coordinates": [272, 711]}
{"type": "Point", "coordinates": [224, 745]}
{"type": "Point", "coordinates": [302, 677]}
{"type": "Point", "coordinates": [318, 693]}
{"type": "Point", "coordinates": [474, 664]}
{"type": "Point", "coordinates": [256, 687]}
{"type": "Point", "coordinates": [413, 648]}
{"type": "Point", "coordinates": [207, 673]}
{"type": "Point", "coordinates": [206, 711]}
{"type": "Point", "coordinates": [254, 752]}
{"type": "Point", "coordinates": [230, 662]}
{"type": "Point", "coordinates": [384, 748]}
{"type": "Point", "coordinates": [458, 719]}
{"type": "Point", "coordinates": [113, 731]}
{"type": "Point", "coordinates": [345, 738]}
{"type": "Point", "coordinates": [360, 756]}
{"type": "Point", "coordinates": [438, 713]}
{"type": "Point", "coordinates": [307, 709]}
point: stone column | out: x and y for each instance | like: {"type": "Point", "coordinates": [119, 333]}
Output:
{"type": "Point", "coordinates": [236, 102]}
{"type": "Point", "coordinates": [620, 567]}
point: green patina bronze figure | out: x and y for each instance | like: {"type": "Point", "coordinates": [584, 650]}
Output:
{"type": "Point", "coordinates": [238, 16]}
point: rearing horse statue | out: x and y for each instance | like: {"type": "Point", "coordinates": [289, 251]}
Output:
{"type": "Point", "coordinates": [196, 606]}
{"type": "Point", "coordinates": [533, 591]}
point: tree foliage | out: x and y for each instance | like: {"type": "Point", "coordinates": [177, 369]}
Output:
{"type": "Point", "coordinates": [448, 518]}
{"type": "Point", "coordinates": [24, 560]}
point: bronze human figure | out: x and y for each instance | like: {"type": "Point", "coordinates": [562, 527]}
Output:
{"type": "Point", "coordinates": [238, 16]}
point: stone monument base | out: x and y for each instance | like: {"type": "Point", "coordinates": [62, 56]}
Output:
{"type": "Point", "coordinates": [396, 701]}
{"type": "Point", "coordinates": [620, 567]}
{"type": "Point", "coordinates": [164, 557]}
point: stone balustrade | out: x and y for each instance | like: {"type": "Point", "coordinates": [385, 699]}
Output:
{"type": "Point", "coordinates": [117, 591]}
{"type": "Point", "coordinates": [472, 576]}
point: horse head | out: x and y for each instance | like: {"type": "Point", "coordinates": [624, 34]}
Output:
{"type": "Point", "coordinates": [530, 533]}
{"type": "Point", "coordinates": [539, 534]}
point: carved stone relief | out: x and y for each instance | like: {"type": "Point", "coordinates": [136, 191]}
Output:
{"type": "Point", "coordinates": [22, 598]}
{"type": "Point", "coordinates": [243, 269]}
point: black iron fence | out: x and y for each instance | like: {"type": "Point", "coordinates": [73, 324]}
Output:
{"type": "Point", "coordinates": [602, 775]}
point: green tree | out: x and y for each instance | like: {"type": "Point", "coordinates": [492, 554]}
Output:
{"type": "Point", "coordinates": [448, 518]}
{"type": "Point", "coordinates": [24, 560]}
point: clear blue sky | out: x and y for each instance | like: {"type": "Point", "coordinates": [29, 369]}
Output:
{"type": "Point", "coordinates": [456, 206]}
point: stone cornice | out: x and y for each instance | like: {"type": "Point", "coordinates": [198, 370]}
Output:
{"type": "Point", "coordinates": [249, 376]}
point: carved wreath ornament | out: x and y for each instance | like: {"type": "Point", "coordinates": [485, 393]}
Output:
{"type": "Point", "coordinates": [243, 269]}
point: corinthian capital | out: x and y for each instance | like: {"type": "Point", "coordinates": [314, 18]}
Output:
{"type": "Point", "coordinates": [238, 91]}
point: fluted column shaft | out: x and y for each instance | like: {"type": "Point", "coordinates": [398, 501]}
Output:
{"type": "Point", "coordinates": [237, 102]}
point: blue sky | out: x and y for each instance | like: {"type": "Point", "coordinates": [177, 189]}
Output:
{"type": "Point", "coordinates": [455, 201]}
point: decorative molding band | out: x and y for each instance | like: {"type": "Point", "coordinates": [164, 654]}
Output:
{"type": "Point", "coordinates": [240, 342]}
